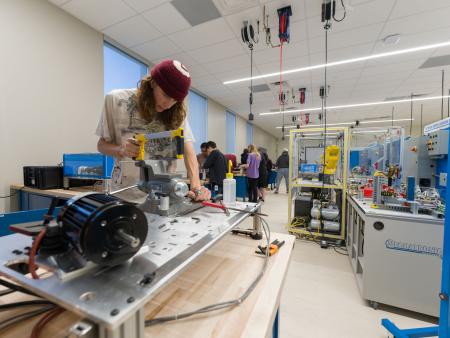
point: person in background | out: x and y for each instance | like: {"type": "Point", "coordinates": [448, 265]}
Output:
{"type": "Point", "coordinates": [156, 105]}
{"type": "Point", "coordinates": [232, 158]}
{"type": "Point", "coordinates": [282, 170]}
{"type": "Point", "coordinates": [252, 165]}
{"type": "Point", "coordinates": [271, 175]}
{"type": "Point", "coordinates": [217, 166]}
{"type": "Point", "coordinates": [263, 174]}
{"type": "Point", "coordinates": [244, 156]}
{"type": "Point", "coordinates": [201, 157]}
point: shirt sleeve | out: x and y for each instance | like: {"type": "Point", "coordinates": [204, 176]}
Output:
{"type": "Point", "coordinates": [102, 127]}
{"type": "Point", "coordinates": [188, 136]}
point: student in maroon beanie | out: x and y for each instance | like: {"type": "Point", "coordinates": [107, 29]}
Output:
{"type": "Point", "coordinates": [156, 105]}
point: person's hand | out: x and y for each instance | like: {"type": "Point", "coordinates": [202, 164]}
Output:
{"type": "Point", "coordinates": [129, 149]}
{"type": "Point", "coordinates": [199, 194]}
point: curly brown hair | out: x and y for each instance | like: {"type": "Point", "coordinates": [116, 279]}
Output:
{"type": "Point", "coordinates": [172, 118]}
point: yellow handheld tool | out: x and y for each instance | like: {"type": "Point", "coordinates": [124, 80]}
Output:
{"type": "Point", "coordinates": [177, 136]}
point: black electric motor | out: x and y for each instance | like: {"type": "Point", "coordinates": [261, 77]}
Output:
{"type": "Point", "coordinates": [103, 228]}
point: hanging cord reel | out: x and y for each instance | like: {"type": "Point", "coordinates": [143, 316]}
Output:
{"type": "Point", "coordinates": [249, 37]}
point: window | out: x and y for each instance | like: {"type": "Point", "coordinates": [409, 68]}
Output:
{"type": "Point", "coordinates": [198, 118]}
{"type": "Point", "coordinates": [231, 132]}
{"type": "Point", "coordinates": [120, 69]}
{"type": "Point", "coordinates": [249, 133]}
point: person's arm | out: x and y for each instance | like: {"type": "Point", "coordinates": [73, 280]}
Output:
{"type": "Point", "coordinates": [198, 192]}
{"type": "Point", "coordinates": [130, 149]}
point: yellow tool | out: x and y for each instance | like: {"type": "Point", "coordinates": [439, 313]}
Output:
{"type": "Point", "coordinates": [176, 136]}
{"type": "Point", "coordinates": [331, 159]}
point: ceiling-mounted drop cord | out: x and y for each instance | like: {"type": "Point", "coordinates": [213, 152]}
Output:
{"type": "Point", "coordinates": [442, 99]}
{"type": "Point", "coordinates": [411, 113]}
{"type": "Point", "coordinates": [421, 115]}
{"type": "Point", "coordinates": [334, 11]}
{"type": "Point", "coordinates": [250, 99]}
{"type": "Point", "coordinates": [392, 117]}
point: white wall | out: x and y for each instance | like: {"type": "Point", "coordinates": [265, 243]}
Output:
{"type": "Point", "coordinates": [241, 136]}
{"type": "Point", "coordinates": [51, 87]}
{"type": "Point", "coordinates": [217, 131]}
{"type": "Point", "coordinates": [217, 124]}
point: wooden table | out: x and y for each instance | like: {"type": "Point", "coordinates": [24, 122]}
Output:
{"type": "Point", "coordinates": [222, 273]}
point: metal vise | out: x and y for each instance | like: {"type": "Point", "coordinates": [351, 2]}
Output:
{"type": "Point", "coordinates": [166, 191]}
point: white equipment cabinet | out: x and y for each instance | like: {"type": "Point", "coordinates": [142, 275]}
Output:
{"type": "Point", "coordinates": [396, 256]}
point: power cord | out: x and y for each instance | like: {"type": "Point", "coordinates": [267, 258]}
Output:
{"type": "Point", "coordinates": [23, 316]}
{"type": "Point", "coordinates": [227, 304]}
{"type": "Point", "coordinates": [334, 11]}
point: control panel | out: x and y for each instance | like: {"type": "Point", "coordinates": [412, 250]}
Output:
{"type": "Point", "coordinates": [437, 143]}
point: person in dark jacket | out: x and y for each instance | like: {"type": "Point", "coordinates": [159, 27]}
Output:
{"type": "Point", "coordinates": [244, 156]}
{"type": "Point", "coordinates": [263, 174]}
{"type": "Point", "coordinates": [282, 170]}
{"type": "Point", "coordinates": [217, 165]}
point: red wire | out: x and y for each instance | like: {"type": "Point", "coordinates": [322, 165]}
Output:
{"type": "Point", "coordinates": [281, 70]}
{"type": "Point", "coordinates": [33, 251]}
{"type": "Point", "coordinates": [44, 321]}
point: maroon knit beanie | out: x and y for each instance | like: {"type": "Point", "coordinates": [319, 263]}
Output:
{"type": "Point", "coordinates": [173, 78]}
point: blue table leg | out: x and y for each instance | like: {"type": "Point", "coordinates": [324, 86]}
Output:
{"type": "Point", "coordinates": [275, 328]}
{"type": "Point", "coordinates": [410, 333]}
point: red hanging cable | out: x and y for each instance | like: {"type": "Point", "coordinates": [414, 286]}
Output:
{"type": "Point", "coordinates": [281, 72]}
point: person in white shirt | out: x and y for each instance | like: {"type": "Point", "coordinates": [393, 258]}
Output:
{"type": "Point", "coordinates": [156, 105]}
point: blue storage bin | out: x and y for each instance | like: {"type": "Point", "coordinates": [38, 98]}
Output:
{"type": "Point", "coordinates": [308, 168]}
{"type": "Point", "coordinates": [88, 165]}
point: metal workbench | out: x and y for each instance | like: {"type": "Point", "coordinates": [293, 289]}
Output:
{"type": "Point", "coordinates": [396, 256]}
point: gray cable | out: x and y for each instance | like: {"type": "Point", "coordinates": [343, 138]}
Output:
{"type": "Point", "coordinates": [18, 318]}
{"type": "Point", "coordinates": [226, 304]}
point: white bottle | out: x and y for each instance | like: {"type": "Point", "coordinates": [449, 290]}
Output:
{"type": "Point", "coordinates": [229, 188]}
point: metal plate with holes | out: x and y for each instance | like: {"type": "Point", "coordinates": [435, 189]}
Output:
{"type": "Point", "coordinates": [108, 296]}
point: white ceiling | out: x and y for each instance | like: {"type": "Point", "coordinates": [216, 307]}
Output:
{"type": "Point", "coordinates": [214, 53]}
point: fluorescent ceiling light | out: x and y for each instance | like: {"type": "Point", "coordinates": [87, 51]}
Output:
{"type": "Point", "coordinates": [343, 62]}
{"type": "Point", "coordinates": [315, 134]}
{"type": "Point", "coordinates": [355, 105]}
{"type": "Point", "coordinates": [345, 123]}
{"type": "Point", "coordinates": [369, 131]}
{"type": "Point", "coordinates": [382, 121]}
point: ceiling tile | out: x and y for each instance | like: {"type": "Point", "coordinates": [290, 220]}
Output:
{"type": "Point", "coordinates": [156, 49]}
{"type": "Point", "coordinates": [159, 17]}
{"type": "Point", "coordinates": [100, 13]}
{"type": "Point", "coordinates": [132, 31]}
{"type": "Point", "coordinates": [419, 23]}
{"type": "Point", "coordinates": [184, 58]}
{"type": "Point", "coordinates": [204, 81]}
{"type": "Point", "coordinates": [202, 35]}
{"type": "Point", "coordinates": [142, 5]}
{"type": "Point", "coordinates": [409, 7]}
{"type": "Point", "coordinates": [59, 2]}
{"type": "Point", "coordinates": [232, 63]}
{"type": "Point", "coordinates": [219, 51]}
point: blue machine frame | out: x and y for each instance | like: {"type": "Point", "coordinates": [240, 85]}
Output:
{"type": "Point", "coordinates": [443, 330]}
{"type": "Point", "coordinates": [17, 217]}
